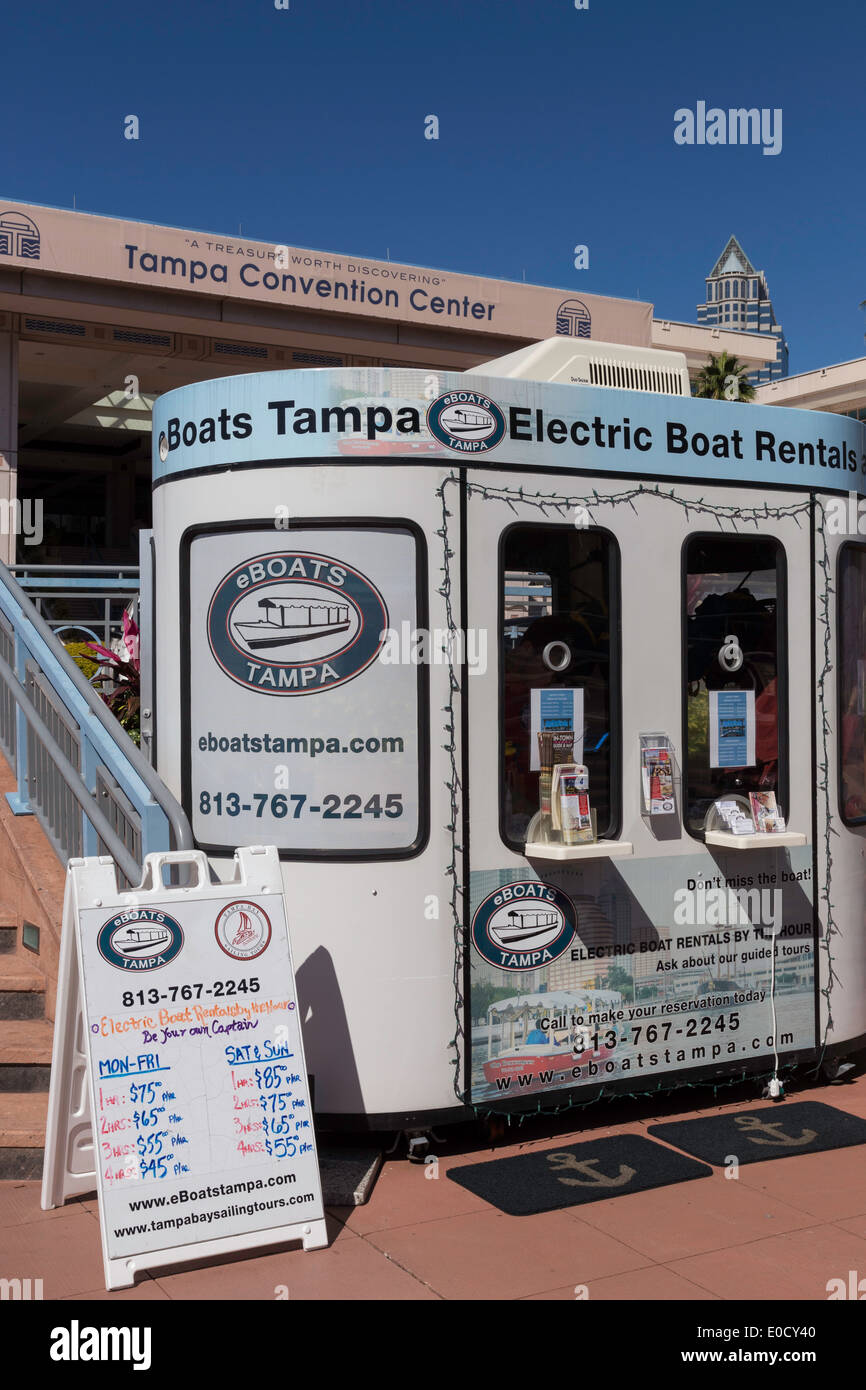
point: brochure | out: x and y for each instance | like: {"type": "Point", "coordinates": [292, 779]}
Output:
{"type": "Point", "coordinates": [580, 779]}
{"type": "Point", "coordinates": [765, 811]}
{"type": "Point", "coordinates": [574, 811]}
{"type": "Point", "coordinates": [736, 821]}
{"type": "Point", "coordinates": [660, 775]}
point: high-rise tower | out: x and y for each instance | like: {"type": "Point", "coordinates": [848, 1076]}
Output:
{"type": "Point", "coordinates": [737, 297]}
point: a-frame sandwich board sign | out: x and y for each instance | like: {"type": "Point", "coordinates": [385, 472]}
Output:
{"type": "Point", "coordinates": [178, 1084]}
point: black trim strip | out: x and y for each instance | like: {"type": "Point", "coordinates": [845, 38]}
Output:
{"type": "Point", "coordinates": [531, 470]}
{"type": "Point", "coordinates": [557, 1101]}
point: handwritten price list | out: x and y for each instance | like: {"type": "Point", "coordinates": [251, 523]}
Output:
{"type": "Point", "coordinates": [274, 1119]}
{"type": "Point", "coordinates": [149, 1131]}
{"type": "Point", "coordinates": [141, 1127]}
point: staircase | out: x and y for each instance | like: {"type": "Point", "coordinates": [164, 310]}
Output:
{"type": "Point", "coordinates": [25, 1058]}
{"type": "Point", "coordinates": [71, 784]}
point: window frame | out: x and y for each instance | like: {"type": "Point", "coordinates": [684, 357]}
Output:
{"type": "Point", "coordinates": [423, 723]}
{"type": "Point", "coordinates": [783, 780]}
{"type": "Point", "coordinates": [614, 587]}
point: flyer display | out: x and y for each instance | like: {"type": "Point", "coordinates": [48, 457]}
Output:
{"type": "Point", "coordinates": [300, 733]}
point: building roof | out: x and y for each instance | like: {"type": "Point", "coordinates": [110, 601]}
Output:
{"type": "Point", "coordinates": [733, 261]}
{"type": "Point", "coordinates": [840, 388]}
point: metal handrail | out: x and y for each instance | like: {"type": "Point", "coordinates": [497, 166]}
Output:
{"type": "Point", "coordinates": [124, 761]}
{"type": "Point", "coordinates": [71, 777]}
{"type": "Point", "coordinates": [96, 594]}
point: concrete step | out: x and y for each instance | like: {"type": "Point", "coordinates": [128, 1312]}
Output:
{"type": "Point", "coordinates": [25, 1055]}
{"type": "Point", "coordinates": [8, 939]}
{"type": "Point", "coordinates": [22, 989]}
{"type": "Point", "coordinates": [22, 1134]}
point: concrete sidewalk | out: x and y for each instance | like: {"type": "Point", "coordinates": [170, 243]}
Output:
{"type": "Point", "coordinates": [782, 1230]}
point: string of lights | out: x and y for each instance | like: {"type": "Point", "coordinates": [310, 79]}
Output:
{"type": "Point", "coordinates": [586, 506]}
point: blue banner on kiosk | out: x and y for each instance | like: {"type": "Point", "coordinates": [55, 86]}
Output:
{"type": "Point", "coordinates": [357, 414]}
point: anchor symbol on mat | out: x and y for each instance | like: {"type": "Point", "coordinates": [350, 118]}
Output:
{"type": "Point", "coordinates": [771, 1127]}
{"type": "Point", "coordinates": [587, 1166]}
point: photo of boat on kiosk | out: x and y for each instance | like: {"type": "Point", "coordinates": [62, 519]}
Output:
{"type": "Point", "coordinates": [551, 1042]}
{"type": "Point", "coordinates": [387, 438]}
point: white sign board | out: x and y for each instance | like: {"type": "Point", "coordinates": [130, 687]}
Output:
{"type": "Point", "coordinates": [298, 733]}
{"type": "Point", "coordinates": [199, 1104]}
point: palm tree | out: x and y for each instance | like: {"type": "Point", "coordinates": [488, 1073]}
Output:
{"type": "Point", "coordinates": [724, 379]}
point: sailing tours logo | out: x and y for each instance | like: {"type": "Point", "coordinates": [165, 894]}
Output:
{"type": "Point", "coordinates": [243, 930]}
{"type": "Point", "coordinates": [524, 925]}
{"type": "Point", "coordinates": [140, 939]}
{"type": "Point", "coordinates": [294, 623]}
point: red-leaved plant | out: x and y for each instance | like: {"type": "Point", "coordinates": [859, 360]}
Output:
{"type": "Point", "coordinates": [124, 675]}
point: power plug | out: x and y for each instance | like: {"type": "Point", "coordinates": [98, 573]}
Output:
{"type": "Point", "coordinates": [774, 1089]}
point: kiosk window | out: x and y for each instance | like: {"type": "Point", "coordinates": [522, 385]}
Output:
{"type": "Point", "coordinates": [735, 694]}
{"type": "Point", "coordinates": [558, 625]}
{"type": "Point", "coordinates": [852, 683]}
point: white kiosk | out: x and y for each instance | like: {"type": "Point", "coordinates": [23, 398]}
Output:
{"type": "Point", "coordinates": [375, 588]}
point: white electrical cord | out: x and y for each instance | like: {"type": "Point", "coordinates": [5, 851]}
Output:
{"type": "Point", "coordinates": [774, 1086]}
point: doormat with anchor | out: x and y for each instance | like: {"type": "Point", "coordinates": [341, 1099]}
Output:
{"type": "Point", "coordinates": [578, 1173]}
{"type": "Point", "coordinates": [777, 1131]}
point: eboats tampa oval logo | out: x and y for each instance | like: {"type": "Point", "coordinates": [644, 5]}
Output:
{"type": "Point", "coordinates": [294, 623]}
{"type": "Point", "coordinates": [140, 939]}
{"type": "Point", "coordinates": [466, 421]}
{"type": "Point", "coordinates": [524, 925]}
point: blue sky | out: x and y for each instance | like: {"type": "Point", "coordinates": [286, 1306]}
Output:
{"type": "Point", "coordinates": [306, 126]}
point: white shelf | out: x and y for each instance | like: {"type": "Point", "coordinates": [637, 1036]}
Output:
{"type": "Point", "coordinates": [597, 849]}
{"type": "Point", "coordinates": [766, 840]}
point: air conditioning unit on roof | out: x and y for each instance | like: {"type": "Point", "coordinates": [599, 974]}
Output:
{"type": "Point", "coordinates": [580, 362]}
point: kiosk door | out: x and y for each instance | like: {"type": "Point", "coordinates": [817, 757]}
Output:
{"type": "Point", "coordinates": [840, 643]}
{"type": "Point", "coordinates": [622, 617]}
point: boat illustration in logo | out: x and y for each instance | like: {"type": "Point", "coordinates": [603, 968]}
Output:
{"type": "Point", "coordinates": [140, 940]}
{"type": "Point", "coordinates": [244, 934]}
{"type": "Point", "coordinates": [137, 940]}
{"type": "Point", "coordinates": [476, 423]}
{"type": "Point", "coordinates": [285, 623]}
{"type": "Point", "coordinates": [525, 924]}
